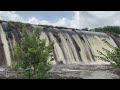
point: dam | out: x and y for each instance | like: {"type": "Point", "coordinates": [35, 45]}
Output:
{"type": "Point", "coordinates": [71, 46]}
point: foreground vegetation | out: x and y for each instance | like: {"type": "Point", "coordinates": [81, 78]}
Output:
{"type": "Point", "coordinates": [112, 56]}
{"type": "Point", "coordinates": [33, 55]}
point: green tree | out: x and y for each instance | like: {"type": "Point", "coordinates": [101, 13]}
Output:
{"type": "Point", "coordinates": [33, 55]}
{"type": "Point", "coordinates": [108, 29]}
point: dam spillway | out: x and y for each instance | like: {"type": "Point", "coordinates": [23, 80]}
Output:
{"type": "Point", "coordinates": [71, 46]}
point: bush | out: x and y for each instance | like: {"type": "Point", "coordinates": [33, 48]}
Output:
{"type": "Point", "coordinates": [112, 56]}
{"type": "Point", "coordinates": [108, 29]}
{"type": "Point", "coordinates": [33, 55]}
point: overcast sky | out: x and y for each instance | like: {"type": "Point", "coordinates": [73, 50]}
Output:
{"type": "Point", "coordinates": [71, 19]}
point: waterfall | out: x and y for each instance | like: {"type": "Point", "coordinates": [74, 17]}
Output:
{"type": "Point", "coordinates": [43, 36]}
{"type": "Point", "coordinates": [97, 43]}
{"type": "Point", "coordinates": [70, 46]}
{"type": "Point", "coordinates": [5, 46]}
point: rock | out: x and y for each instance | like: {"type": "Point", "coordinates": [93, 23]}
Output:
{"type": "Point", "coordinates": [60, 62]}
{"type": "Point", "coordinates": [64, 71]}
{"type": "Point", "coordinates": [7, 73]}
{"type": "Point", "coordinates": [84, 72]}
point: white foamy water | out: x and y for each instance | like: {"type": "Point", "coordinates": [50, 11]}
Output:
{"type": "Point", "coordinates": [2, 69]}
{"type": "Point", "coordinates": [70, 46]}
{"type": "Point", "coordinates": [6, 46]}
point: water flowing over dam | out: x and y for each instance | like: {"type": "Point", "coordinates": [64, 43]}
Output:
{"type": "Point", "coordinates": [71, 46]}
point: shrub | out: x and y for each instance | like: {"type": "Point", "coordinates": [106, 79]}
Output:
{"type": "Point", "coordinates": [33, 55]}
{"type": "Point", "coordinates": [111, 56]}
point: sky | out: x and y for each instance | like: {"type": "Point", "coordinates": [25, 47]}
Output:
{"type": "Point", "coordinates": [71, 19]}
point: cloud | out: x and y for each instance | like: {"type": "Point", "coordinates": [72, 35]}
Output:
{"type": "Point", "coordinates": [33, 20]}
{"type": "Point", "coordinates": [94, 19]}
{"type": "Point", "coordinates": [71, 23]}
{"type": "Point", "coordinates": [10, 15]}
{"type": "Point", "coordinates": [81, 19]}
{"type": "Point", "coordinates": [13, 16]}
{"type": "Point", "coordinates": [102, 14]}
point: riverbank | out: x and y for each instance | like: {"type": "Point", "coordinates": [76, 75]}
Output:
{"type": "Point", "coordinates": [73, 72]}
{"type": "Point", "coordinates": [85, 72]}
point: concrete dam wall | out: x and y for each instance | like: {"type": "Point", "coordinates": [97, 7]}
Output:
{"type": "Point", "coordinates": [71, 46]}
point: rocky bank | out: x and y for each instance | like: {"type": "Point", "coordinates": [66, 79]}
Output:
{"type": "Point", "coordinates": [73, 72]}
